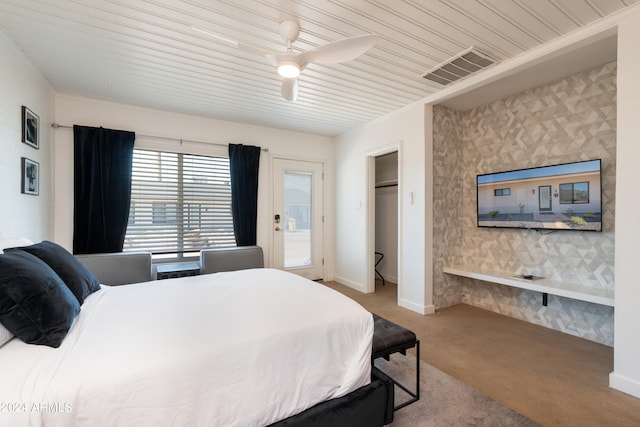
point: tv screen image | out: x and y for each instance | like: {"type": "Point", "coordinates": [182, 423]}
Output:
{"type": "Point", "coordinates": [558, 197]}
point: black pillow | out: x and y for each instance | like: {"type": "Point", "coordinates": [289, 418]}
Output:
{"type": "Point", "coordinates": [35, 304]}
{"type": "Point", "coordinates": [79, 280]}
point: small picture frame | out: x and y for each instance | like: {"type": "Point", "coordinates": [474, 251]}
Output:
{"type": "Point", "coordinates": [30, 177]}
{"type": "Point", "coordinates": [30, 128]}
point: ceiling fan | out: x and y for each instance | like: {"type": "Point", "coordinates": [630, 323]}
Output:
{"type": "Point", "coordinates": [290, 64]}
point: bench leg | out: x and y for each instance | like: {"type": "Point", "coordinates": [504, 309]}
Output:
{"type": "Point", "coordinates": [415, 395]}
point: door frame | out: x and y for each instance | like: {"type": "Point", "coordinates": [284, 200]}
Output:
{"type": "Point", "coordinates": [272, 159]}
{"type": "Point", "coordinates": [370, 286]}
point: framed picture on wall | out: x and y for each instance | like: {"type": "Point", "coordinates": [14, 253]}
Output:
{"type": "Point", "coordinates": [30, 128]}
{"type": "Point", "coordinates": [30, 177]}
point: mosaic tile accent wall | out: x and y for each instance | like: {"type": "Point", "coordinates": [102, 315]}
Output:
{"type": "Point", "coordinates": [447, 204]}
{"type": "Point", "coordinates": [569, 120]}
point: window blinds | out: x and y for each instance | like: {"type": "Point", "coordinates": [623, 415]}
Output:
{"type": "Point", "coordinates": [180, 203]}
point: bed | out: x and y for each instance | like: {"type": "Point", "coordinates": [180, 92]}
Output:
{"type": "Point", "coordinates": [244, 348]}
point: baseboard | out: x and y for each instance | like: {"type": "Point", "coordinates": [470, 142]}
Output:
{"type": "Point", "coordinates": [410, 305]}
{"type": "Point", "coordinates": [351, 284]}
{"type": "Point", "coordinates": [422, 309]}
{"type": "Point", "coordinates": [624, 384]}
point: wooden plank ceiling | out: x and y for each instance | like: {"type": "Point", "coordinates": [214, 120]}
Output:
{"type": "Point", "coordinates": [146, 53]}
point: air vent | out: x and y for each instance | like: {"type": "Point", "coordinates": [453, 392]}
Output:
{"type": "Point", "coordinates": [460, 66]}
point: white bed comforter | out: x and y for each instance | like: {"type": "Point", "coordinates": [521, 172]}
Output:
{"type": "Point", "coordinates": [243, 348]}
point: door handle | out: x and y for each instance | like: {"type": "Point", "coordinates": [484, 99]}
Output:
{"type": "Point", "coordinates": [277, 228]}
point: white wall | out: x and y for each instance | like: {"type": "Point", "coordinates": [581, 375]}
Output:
{"type": "Point", "coordinates": [626, 374]}
{"type": "Point", "coordinates": [405, 129]}
{"type": "Point", "coordinates": [286, 144]}
{"type": "Point", "coordinates": [20, 84]}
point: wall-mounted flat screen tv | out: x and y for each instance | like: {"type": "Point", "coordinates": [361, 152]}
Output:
{"type": "Point", "coordinates": [557, 197]}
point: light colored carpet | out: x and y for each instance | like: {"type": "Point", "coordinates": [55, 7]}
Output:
{"type": "Point", "coordinates": [444, 401]}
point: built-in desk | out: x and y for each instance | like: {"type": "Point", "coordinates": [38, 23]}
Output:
{"type": "Point", "coordinates": [546, 286]}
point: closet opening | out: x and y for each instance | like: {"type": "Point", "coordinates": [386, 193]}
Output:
{"type": "Point", "coordinates": [383, 227]}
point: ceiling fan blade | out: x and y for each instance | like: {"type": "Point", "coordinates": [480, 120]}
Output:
{"type": "Point", "coordinates": [242, 46]}
{"type": "Point", "coordinates": [340, 51]}
{"type": "Point", "coordinates": [273, 59]}
{"type": "Point", "coordinates": [289, 89]}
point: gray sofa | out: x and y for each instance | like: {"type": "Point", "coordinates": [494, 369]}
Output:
{"type": "Point", "coordinates": [121, 268]}
{"type": "Point", "coordinates": [215, 260]}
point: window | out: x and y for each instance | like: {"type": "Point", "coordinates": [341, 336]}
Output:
{"type": "Point", "coordinates": [502, 192]}
{"type": "Point", "coordinates": [180, 203]}
{"type": "Point", "coordinates": [574, 193]}
{"type": "Point", "coordinates": [164, 213]}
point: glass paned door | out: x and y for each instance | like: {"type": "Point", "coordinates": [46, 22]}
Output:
{"type": "Point", "coordinates": [297, 217]}
{"type": "Point", "coordinates": [297, 194]}
{"type": "Point", "coordinates": [544, 194]}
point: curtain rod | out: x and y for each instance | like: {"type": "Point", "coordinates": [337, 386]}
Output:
{"type": "Point", "coordinates": [57, 126]}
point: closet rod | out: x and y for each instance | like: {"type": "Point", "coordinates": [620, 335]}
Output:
{"type": "Point", "coordinates": [57, 126]}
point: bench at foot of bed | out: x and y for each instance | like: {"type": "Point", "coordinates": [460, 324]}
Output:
{"type": "Point", "coordinates": [389, 338]}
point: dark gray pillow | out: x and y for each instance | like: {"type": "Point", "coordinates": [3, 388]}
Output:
{"type": "Point", "coordinates": [35, 304]}
{"type": "Point", "coordinates": [79, 280]}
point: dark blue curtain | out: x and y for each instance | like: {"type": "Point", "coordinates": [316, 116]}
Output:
{"type": "Point", "coordinates": [244, 161]}
{"type": "Point", "coordinates": [102, 188]}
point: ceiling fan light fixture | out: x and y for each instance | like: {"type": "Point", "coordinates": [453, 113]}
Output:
{"type": "Point", "coordinates": [290, 64]}
{"type": "Point", "coordinates": [288, 69]}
